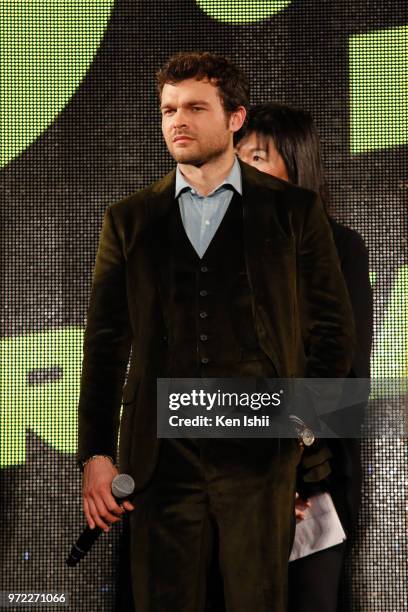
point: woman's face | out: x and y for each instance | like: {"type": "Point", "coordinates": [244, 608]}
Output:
{"type": "Point", "coordinates": [261, 152]}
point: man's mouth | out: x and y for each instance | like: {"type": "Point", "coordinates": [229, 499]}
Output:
{"type": "Point", "coordinates": [181, 138]}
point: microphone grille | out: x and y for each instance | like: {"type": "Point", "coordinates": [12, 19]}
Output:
{"type": "Point", "coordinates": [122, 486]}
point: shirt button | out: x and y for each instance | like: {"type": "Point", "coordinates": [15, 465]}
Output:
{"type": "Point", "coordinates": [207, 222]}
{"type": "Point", "coordinates": [205, 360]}
{"type": "Point", "coordinates": [203, 314]}
{"type": "Point", "coordinates": [203, 337]}
{"type": "Point", "coordinates": [204, 269]}
{"type": "Point", "coordinates": [203, 292]}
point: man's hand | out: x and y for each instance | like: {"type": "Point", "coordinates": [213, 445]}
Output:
{"type": "Point", "coordinates": [300, 506]}
{"type": "Point", "coordinates": [100, 507]}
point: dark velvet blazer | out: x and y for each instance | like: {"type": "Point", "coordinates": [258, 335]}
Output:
{"type": "Point", "coordinates": [300, 304]}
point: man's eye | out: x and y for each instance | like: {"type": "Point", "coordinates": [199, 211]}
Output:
{"type": "Point", "coordinates": [256, 158]}
{"type": "Point", "coordinates": [197, 108]}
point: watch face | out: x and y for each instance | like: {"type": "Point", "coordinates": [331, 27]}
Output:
{"type": "Point", "coordinates": [308, 437]}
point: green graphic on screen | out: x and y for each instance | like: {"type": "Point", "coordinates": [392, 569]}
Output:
{"type": "Point", "coordinates": [29, 400]}
{"type": "Point", "coordinates": [244, 11]}
{"type": "Point", "coordinates": [378, 89]}
{"type": "Point", "coordinates": [390, 352]}
{"type": "Point", "coordinates": [44, 56]}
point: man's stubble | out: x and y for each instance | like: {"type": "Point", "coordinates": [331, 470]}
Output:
{"type": "Point", "coordinates": [210, 150]}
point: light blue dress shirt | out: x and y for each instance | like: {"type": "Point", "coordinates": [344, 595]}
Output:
{"type": "Point", "coordinates": [202, 215]}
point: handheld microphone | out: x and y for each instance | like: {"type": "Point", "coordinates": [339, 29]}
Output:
{"type": "Point", "coordinates": [122, 486]}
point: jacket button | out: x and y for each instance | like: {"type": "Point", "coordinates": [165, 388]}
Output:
{"type": "Point", "coordinates": [205, 360]}
{"type": "Point", "coordinates": [204, 269]}
{"type": "Point", "coordinates": [203, 337]}
{"type": "Point", "coordinates": [203, 314]}
{"type": "Point", "coordinates": [203, 292]}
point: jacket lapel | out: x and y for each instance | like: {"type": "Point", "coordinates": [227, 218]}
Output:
{"type": "Point", "coordinates": [160, 204]}
{"type": "Point", "coordinates": [261, 225]}
{"type": "Point", "coordinates": [161, 196]}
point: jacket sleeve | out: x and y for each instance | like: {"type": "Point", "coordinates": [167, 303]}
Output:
{"type": "Point", "coordinates": [324, 305]}
{"type": "Point", "coordinates": [327, 321]}
{"type": "Point", "coordinates": [354, 264]}
{"type": "Point", "coordinates": [106, 348]}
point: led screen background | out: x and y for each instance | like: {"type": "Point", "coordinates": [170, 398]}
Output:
{"type": "Point", "coordinates": [79, 129]}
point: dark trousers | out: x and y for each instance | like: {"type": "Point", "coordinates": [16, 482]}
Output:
{"type": "Point", "coordinates": [314, 581]}
{"type": "Point", "coordinates": [241, 490]}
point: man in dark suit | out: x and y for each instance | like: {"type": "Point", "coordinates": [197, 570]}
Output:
{"type": "Point", "coordinates": [216, 270]}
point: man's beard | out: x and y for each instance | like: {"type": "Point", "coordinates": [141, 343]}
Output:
{"type": "Point", "coordinates": [199, 159]}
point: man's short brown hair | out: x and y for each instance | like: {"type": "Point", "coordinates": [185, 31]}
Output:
{"type": "Point", "coordinates": [232, 83]}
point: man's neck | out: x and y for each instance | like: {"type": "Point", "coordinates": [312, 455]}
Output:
{"type": "Point", "coordinates": [207, 177]}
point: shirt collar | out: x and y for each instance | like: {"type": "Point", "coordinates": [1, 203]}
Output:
{"type": "Point", "coordinates": [234, 180]}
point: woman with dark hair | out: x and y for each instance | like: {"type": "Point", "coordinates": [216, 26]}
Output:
{"type": "Point", "coordinates": [284, 142]}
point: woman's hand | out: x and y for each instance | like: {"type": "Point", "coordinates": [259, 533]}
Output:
{"type": "Point", "coordinates": [300, 506]}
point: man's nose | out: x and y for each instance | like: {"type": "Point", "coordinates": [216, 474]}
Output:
{"type": "Point", "coordinates": [179, 118]}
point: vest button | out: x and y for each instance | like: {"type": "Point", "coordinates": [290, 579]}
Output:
{"type": "Point", "coordinates": [204, 269]}
{"type": "Point", "coordinates": [205, 360]}
{"type": "Point", "coordinates": [203, 292]}
{"type": "Point", "coordinates": [203, 337]}
{"type": "Point", "coordinates": [203, 314]}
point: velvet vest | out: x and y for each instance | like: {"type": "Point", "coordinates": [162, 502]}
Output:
{"type": "Point", "coordinates": [208, 304]}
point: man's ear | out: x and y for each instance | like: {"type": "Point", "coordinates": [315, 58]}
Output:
{"type": "Point", "coordinates": [237, 119]}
